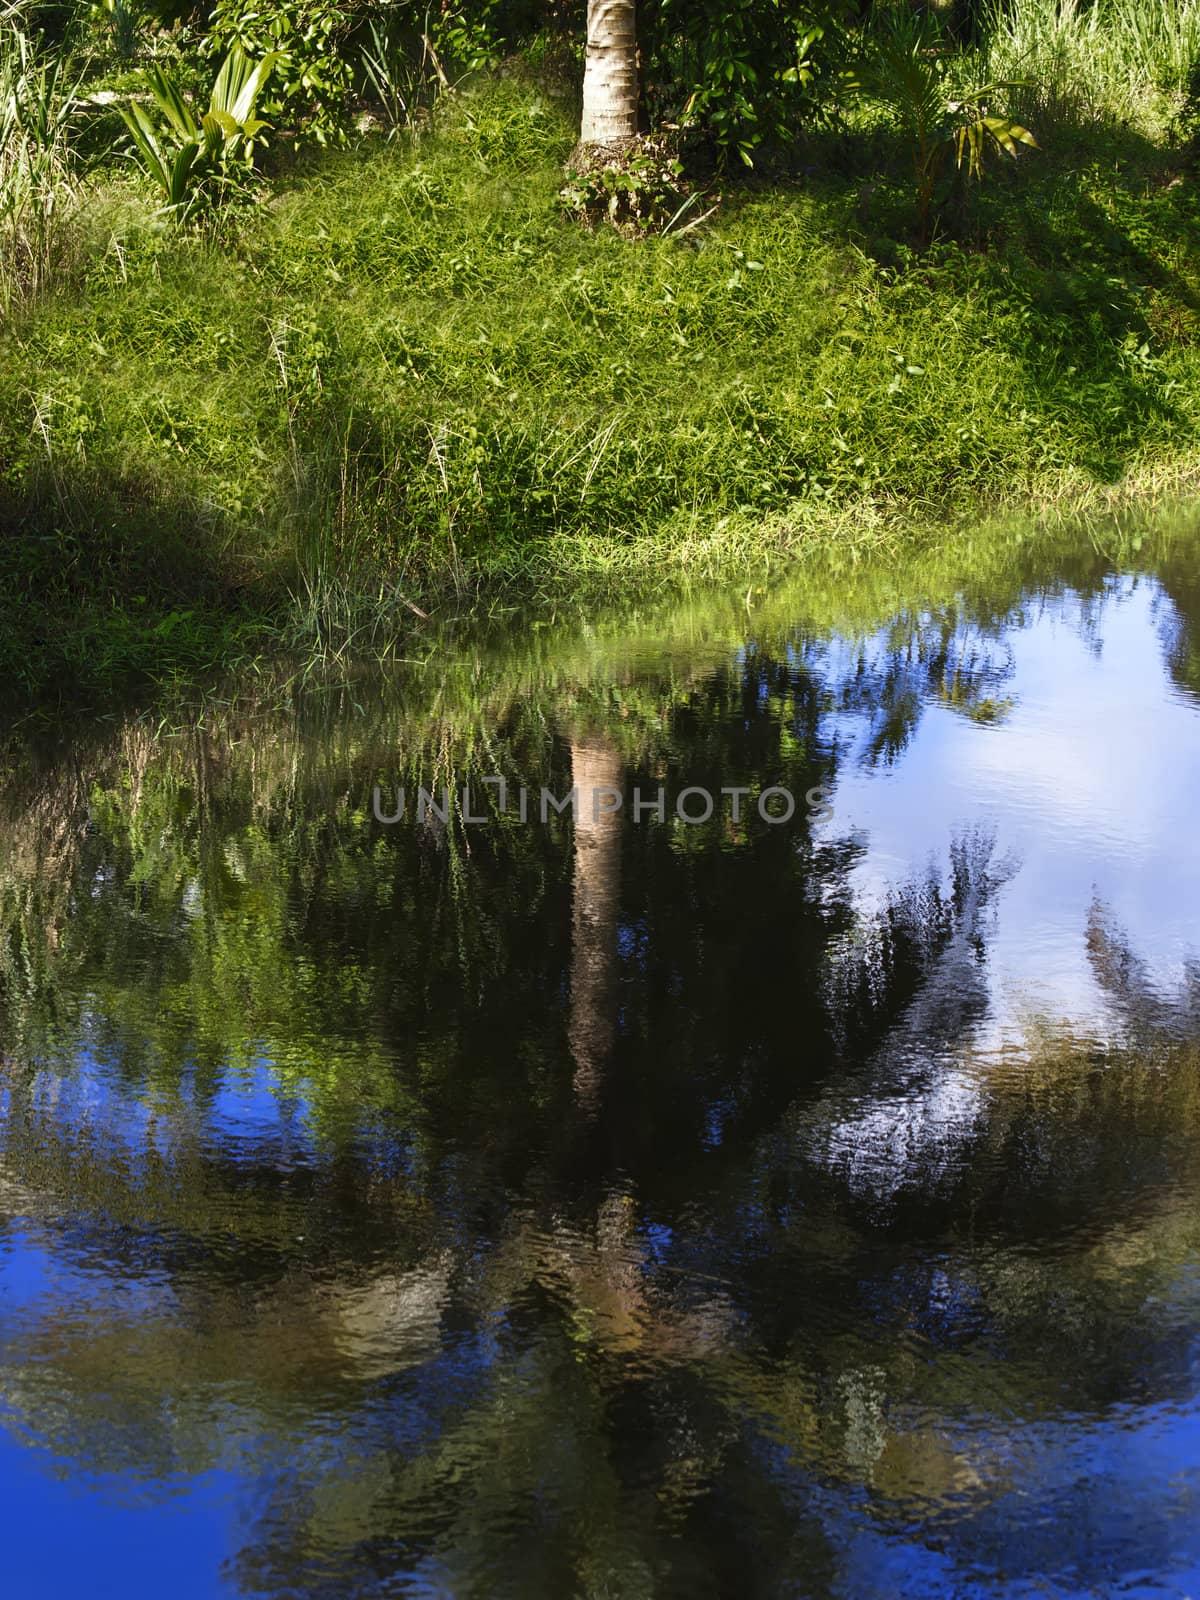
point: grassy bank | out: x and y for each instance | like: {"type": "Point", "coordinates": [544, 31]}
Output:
{"type": "Point", "coordinates": [407, 375]}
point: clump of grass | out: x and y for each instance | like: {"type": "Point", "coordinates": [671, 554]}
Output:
{"type": "Point", "coordinates": [1087, 61]}
{"type": "Point", "coordinates": [38, 192]}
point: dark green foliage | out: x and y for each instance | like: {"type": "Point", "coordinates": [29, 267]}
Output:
{"type": "Point", "coordinates": [52, 19]}
{"type": "Point", "coordinates": [741, 75]}
{"type": "Point", "coordinates": [321, 45]}
{"type": "Point", "coordinates": [314, 75]}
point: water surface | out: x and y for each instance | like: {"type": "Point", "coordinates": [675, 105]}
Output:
{"type": "Point", "coordinates": [614, 1208]}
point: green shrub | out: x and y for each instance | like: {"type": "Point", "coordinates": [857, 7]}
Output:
{"type": "Point", "coordinates": [310, 42]}
{"type": "Point", "coordinates": [945, 124]}
{"type": "Point", "coordinates": [123, 23]}
{"type": "Point", "coordinates": [742, 74]}
{"type": "Point", "coordinates": [329, 53]}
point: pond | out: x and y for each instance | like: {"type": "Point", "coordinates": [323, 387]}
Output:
{"type": "Point", "coordinates": [691, 1190]}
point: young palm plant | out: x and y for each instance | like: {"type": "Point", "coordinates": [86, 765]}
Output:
{"type": "Point", "coordinates": [125, 25]}
{"type": "Point", "coordinates": [907, 73]}
{"type": "Point", "coordinates": [199, 160]}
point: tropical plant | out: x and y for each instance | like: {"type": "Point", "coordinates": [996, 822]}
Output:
{"type": "Point", "coordinates": [908, 73]}
{"type": "Point", "coordinates": [37, 189]}
{"type": "Point", "coordinates": [123, 21]}
{"type": "Point", "coordinates": [195, 160]}
{"type": "Point", "coordinates": [408, 60]}
{"type": "Point", "coordinates": [388, 73]}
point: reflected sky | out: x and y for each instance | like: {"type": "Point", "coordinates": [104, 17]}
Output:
{"type": "Point", "coordinates": [1087, 779]}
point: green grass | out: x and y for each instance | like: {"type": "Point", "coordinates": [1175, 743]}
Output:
{"type": "Point", "coordinates": [407, 375]}
{"type": "Point", "coordinates": [1124, 62]}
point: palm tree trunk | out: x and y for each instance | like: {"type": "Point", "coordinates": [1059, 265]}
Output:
{"type": "Point", "coordinates": [610, 77]}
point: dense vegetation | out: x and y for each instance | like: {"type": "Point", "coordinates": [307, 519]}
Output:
{"type": "Point", "coordinates": [301, 331]}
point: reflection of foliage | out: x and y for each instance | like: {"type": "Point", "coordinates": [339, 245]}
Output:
{"type": "Point", "coordinates": [470, 1355]}
{"type": "Point", "coordinates": [1181, 625]}
{"type": "Point", "coordinates": [1142, 1007]}
{"type": "Point", "coordinates": [204, 840]}
{"type": "Point", "coordinates": [923, 658]}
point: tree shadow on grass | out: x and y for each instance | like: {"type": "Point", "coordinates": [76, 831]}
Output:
{"type": "Point", "coordinates": [106, 577]}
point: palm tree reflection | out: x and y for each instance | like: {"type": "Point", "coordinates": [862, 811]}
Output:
{"type": "Point", "coordinates": [597, 775]}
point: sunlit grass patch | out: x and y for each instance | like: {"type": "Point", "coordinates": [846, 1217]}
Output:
{"type": "Point", "coordinates": [410, 375]}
